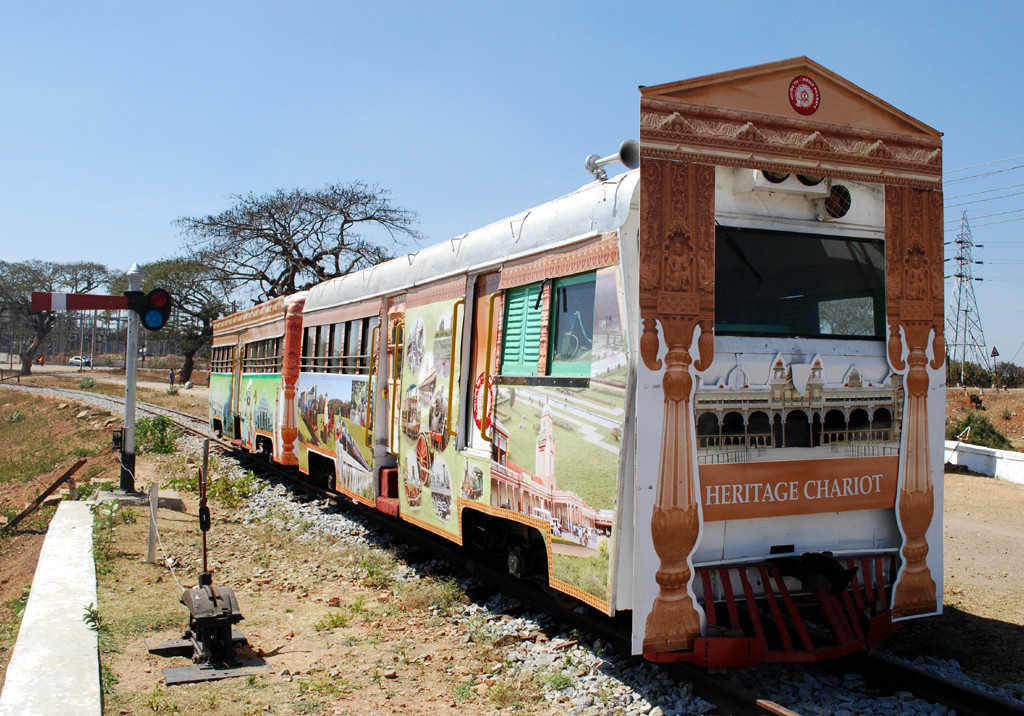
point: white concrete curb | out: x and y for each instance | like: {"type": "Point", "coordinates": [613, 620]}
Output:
{"type": "Point", "coordinates": [55, 665]}
{"type": "Point", "coordinates": [1002, 464]}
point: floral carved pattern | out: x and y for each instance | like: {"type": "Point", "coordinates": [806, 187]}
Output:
{"type": "Point", "coordinates": [914, 308]}
{"type": "Point", "coordinates": [677, 245]}
{"type": "Point", "coordinates": [670, 129]}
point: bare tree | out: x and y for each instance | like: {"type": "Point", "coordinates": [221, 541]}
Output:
{"type": "Point", "coordinates": [287, 241]}
{"type": "Point", "coordinates": [199, 293]}
{"type": "Point", "coordinates": [18, 281]}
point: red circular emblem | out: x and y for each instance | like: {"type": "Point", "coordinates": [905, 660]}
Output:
{"type": "Point", "coordinates": [483, 421]}
{"type": "Point", "coordinates": [804, 95]}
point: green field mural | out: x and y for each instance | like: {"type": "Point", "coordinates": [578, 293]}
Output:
{"type": "Point", "coordinates": [431, 470]}
{"type": "Point", "coordinates": [220, 402]}
{"type": "Point", "coordinates": [556, 449]}
{"type": "Point", "coordinates": [333, 416]}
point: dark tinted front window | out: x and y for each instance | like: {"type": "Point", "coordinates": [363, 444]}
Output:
{"type": "Point", "coordinates": [787, 284]}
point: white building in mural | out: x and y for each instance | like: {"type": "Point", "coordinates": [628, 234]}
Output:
{"type": "Point", "coordinates": [780, 409]}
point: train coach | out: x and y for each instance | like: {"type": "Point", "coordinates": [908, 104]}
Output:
{"type": "Point", "coordinates": [706, 393]}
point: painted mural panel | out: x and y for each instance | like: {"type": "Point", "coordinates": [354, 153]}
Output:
{"type": "Point", "coordinates": [333, 414]}
{"type": "Point", "coordinates": [258, 406]}
{"type": "Point", "coordinates": [555, 449]}
{"type": "Point", "coordinates": [220, 401]}
{"type": "Point", "coordinates": [431, 469]}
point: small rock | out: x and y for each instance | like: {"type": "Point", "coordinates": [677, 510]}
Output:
{"type": "Point", "coordinates": [390, 674]}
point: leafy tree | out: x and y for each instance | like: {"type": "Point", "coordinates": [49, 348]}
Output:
{"type": "Point", "coordinates": [1009, 375]}
{"type": "Point", "coordinates": [287, 241]}
{"type": "Point", "coordinates": [974, 374]}
{"type": "Point", "coordinates": [19, 279]}
{"type": "Point", "coordinates": [200, 294]}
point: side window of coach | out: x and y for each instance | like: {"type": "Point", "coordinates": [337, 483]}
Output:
{"type": "Point", "coordinates": [569, 321]}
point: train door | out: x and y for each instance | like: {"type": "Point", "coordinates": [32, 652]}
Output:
{"type": "Point", "coordinates": [486, 316]}
{"type": "Point", "coordinates": [236, 385]}
{"type": "Point", "coordinates": [396, 357]}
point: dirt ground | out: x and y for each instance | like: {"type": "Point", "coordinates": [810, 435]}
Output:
{"type": "Point", "coordinates": [195, 401]}
{"type": "Point", "coordinates": [1003, 408]}
{"type": "Point", "coordinates": [336, 632]}
{"type": "Point", "coordinates": [39, 439]}
{"type": "Point", "coordinates": [982, 626]}
{"type": "Point", "coordinates": [339, 635]}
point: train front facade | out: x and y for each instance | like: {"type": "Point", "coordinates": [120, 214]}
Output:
{"type": "Point", "coordinates": [707, 392]}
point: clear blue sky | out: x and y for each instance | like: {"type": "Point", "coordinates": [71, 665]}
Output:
{"type": "Point", "coordinates": [119, 118]}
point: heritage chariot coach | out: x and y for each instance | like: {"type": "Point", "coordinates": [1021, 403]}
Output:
{"type": "Point", "coordinates": [707, 392]}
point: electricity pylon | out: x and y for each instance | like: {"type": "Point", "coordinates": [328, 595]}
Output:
{"type": "Point", "coordinates": [968, 342]}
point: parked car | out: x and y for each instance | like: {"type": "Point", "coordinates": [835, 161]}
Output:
{"type": "Point", "coordinates": [80, 360]}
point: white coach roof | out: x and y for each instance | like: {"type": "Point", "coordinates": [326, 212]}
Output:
{"type": "Point", "coordinates": [594, 208]}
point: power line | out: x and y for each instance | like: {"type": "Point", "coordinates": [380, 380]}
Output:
{"type": "Point", "coordinates": [985, 191]}
{"type": "Point", "coordinates": [990, 223]}
{"type": "Point", "coordinates": [967, 332]}
{"type": "Point", "coordinates": [986, 216]}
{"type": "Point", "coordinates": [979, 201]}
{"type": "Point", "coordinates": [985, 174]}
{"type": "Point", "coordinates": [983, 164]}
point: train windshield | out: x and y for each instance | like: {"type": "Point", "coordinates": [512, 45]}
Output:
{"type": "Point", "coordinates": [779, 283]}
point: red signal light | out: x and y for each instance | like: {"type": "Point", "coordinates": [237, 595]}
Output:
{"type": "Point", "coordinates": [158, 298]}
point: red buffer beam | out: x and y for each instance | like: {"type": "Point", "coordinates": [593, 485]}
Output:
{"type": "Point", "coordinates": [49, 301]}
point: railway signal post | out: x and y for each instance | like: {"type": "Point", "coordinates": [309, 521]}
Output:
{"type": "Point", "coordinates": [151, 311]}
{"type": "Point", "coordinates": [134, 276]}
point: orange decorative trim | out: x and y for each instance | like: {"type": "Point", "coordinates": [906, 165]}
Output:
{"type": "Point", "coordinates": [678, 131]}
{"type": "Point", "coordinates": [545, 529]}
{"type": "Point", "coordinates": [456, 538]}
{"type": "Point", "coordinates": [797, 487]}
{"type": "Point", "coordinates": [577, 593]}
{"type": "Point", "coordinates": [445, 290]}
{"type": "Point", "coordinates": [274, 308]}
{"type": "Point", "coordinates": [600, 252]}
{"type": "Point", "coordinates": [355, 496]}
{"type": "Point", "coordinates": [915, 312]}
{"type": "Point", "coordinates": [677, 282]}
{"type": "Point", "coordinates": [340, 314]}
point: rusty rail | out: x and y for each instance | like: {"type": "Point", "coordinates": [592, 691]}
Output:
{"type": "Point", "coordinates": [9, 527]}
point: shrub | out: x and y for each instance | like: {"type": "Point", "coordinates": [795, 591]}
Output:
{"type": "Point", "coordinates": [1007, 414]}
{"type": "Point", "coordinates": [16, 417]}
{"type": "Point", "coordinates": [172, 390]}
{"type": "Point", "coordinates": [86, 383]}
{"type": "Point", "coordinates": [156, 434]}
{"type": "Point", "coordinates": [982, 432]}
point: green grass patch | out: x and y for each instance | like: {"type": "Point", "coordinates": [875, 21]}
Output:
{"type": "Point", "coordinates": [331, 621]}
{"type": "Point", "coordinates": [156, 434]}
{"type": "Point", "coordinates": [581, 467]}
{"type": "Point", "coordinates": [588, 573]}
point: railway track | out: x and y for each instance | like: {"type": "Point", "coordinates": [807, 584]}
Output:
{"type": "Point", "coordinates": [878, 668]}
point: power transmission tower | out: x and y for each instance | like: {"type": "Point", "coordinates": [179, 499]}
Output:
{"type": "Point", "coordinates": [968, 337]}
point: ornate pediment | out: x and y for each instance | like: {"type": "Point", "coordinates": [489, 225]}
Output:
{"type": "Point", "coordinates": [775, 88]}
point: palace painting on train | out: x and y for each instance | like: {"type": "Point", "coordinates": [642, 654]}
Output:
{"type": "Point", "coordinates": [258, 405]}
{"type": "Point", "coordinates": [429, 464]}
{"type": "Point", "coordinates": [555, 449]}
{"type": "Point", "coordinates": [332, 420]}
{"type": "Point", "coordinates": [220, 400]}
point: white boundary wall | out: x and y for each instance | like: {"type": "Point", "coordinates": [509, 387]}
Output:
{"type": "Point", "coordinates": [1002, 464]}
{"type": "Point", "coordinates": [55, 665]}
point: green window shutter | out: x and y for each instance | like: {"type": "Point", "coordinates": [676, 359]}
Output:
{"type": "Point", "coordinates": [520, 349]}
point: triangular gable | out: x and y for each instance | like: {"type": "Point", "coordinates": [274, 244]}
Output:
{"type": "Point", "coordinates": [766, 89]}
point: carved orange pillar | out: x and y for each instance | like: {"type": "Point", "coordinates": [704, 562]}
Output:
{"type": "Point", "coordinates": [292, 347]}
{"type": "Point", "coordinates": [677, 292]}
{"type": "Point", "coordinates": [915, 305]}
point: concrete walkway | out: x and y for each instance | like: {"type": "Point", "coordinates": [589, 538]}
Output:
{"type": "Point", "coordinates": [55, 665]}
